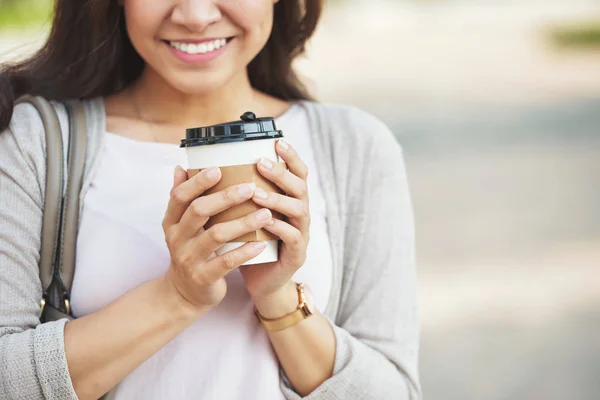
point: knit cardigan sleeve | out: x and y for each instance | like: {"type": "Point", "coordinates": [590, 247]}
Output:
{"type": "Point", "coordinates": [33, 364]}
{"type": "Point", "coordinates": [376, 326]}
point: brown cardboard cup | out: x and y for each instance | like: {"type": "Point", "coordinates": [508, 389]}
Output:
{"type": "Point", "coordinates": [235, 175]}
{"type": "Point", "coordinates": [235, 148]}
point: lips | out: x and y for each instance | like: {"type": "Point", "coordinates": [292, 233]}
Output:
{"type": "Point", "coordinates": [198, 51]}
{"type": "Point", "coordinates": [198, 47]}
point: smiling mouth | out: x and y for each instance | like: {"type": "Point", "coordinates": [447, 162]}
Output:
{"type": "Point", "coordinates": [199, 48]}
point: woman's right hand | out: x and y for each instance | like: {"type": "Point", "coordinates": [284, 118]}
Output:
{"type": "Point", "coordinates": [196, 273]}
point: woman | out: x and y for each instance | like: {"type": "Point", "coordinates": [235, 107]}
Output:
{"type": "Point", "coordinates": [158, 313]}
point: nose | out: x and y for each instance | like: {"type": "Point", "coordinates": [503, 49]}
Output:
{"type": "Point", "coordinates": [196, 15]}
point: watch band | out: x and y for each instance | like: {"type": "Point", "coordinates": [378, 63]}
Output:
{"type": "Point", "coordinates": [277, 324]}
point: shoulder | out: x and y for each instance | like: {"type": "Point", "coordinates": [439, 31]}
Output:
{"type": "Point", "coordinates": [26, 127]}
{"type": "Point", "coordinates": [353, 129]}
{"type": "Point", "coordinates": [24, 136]}
{"type": "Point", "coordinates": [340, 114]}
{"type": "Point", "coordinates": [25, 119]}
{"type": "Point", "coordinates": [351, 122]}
{"type": "Point", "coordinates": [26, 131]}
{"type": "Point", "coordinates": [23, 152]}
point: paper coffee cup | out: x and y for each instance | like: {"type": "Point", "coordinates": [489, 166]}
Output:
{"type": "Point", "coordinates": [236, 147]}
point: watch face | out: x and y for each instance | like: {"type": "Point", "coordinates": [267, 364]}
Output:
{"type": "Point", "coordinates": [310, 302]}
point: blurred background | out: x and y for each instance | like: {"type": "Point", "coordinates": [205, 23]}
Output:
{"type": "Point", "coordinates": [497, 106]}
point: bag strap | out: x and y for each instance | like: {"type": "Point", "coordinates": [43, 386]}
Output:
{"type": "Point", "coordinates": [76, 166]}
{"type": "Point", "coordinates": [54, 186]}
{"type": "Point", "coordinates": [61, 208]}
{"type": "Point", "coordinates": [61, 205]}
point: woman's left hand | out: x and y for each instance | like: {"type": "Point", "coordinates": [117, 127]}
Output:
{"type": "Point", "coordinates": [269, 284]}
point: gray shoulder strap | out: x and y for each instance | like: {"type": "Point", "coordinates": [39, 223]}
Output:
{"type": "Point", "coordinates": [61, 213]}
{"type": "Point", "coordinates": [54, 187]}
{"type": "Point", "coordinates": [76, 166]}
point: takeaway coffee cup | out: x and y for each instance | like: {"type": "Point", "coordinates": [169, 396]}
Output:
{"type": "Point", "coordinates": [236, 147]}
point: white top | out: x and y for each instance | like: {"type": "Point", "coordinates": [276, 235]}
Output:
{"type": "Point", "coordinates": [225, 354]}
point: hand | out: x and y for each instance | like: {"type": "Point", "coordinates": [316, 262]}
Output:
{"type": "Point", "coordinates": [196, 273]}
{"type": "Point", "coordinates": [270, 281]}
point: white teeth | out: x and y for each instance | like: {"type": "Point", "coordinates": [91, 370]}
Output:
{"type": "Point", "coordinates": [199, 48]}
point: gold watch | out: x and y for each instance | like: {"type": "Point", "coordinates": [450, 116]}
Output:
{"type": "Point", "coordinates": [302, 312]}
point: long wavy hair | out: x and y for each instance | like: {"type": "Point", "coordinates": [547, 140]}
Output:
{"type": "Point", "coordinates": [89, 54]}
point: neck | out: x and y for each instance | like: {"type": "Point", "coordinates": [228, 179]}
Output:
{"type": "Point", "coordinates": [161, 104]}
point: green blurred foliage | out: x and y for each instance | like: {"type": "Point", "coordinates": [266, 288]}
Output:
{"type": "Point", "coordinates": [581, 34]}
{"type": "Point", "coordinates": [24, 13]}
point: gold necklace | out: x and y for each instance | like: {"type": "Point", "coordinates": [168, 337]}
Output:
{"type": "Point", "coordinates": [136, 107]}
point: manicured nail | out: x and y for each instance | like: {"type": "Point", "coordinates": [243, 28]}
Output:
{"type": "Point", "coordinates": [259, 245]}
{"type": "Point", "coordinates": [266, 163]}
{"type": "Point", "coordinates": [212, 173]}
{"type": "Point", "coordinates": [283, 144]}
{"type": "Point", "coordinates": [246, 189]}
{"type": "Point", "coordinates": [261, 194]}
{"type": "Point", "coordinates": [263, 215]}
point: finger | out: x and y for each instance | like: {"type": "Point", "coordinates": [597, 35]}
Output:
{"type": "Point", "coordinates": [179, 176]}
{"type": "Point", "coordinates": [292, 159]}
{"type": "Point", "coordinates": [204, 207]}
{"type": "Point", "coordinates": [291, 237]}
{"type": "Point", "coordinates": [286, 205]}
{"type": "Point", "coordinates": [219, 234]}
{"type": "Point", "coordinates": [288, 182]}
{"type": "Point", "coordinates": [186, 192]}
{"type": "Point", "coordinates": [220, 266]}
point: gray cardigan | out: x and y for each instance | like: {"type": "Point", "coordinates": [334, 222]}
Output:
{"type": "Point", "coordinates": [372, 306]}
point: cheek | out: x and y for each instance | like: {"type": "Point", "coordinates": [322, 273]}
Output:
{"type": "Point", "coordinates": [254, 17]}
{"type": "Point", "coordinates": [143, 19]}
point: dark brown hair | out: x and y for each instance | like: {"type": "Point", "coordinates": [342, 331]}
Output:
{"type": "Point", "coordinates": [88, 54]}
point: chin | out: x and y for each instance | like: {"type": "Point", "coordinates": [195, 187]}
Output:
{"type": "Point", "coordinates": [197, 84]}
{"type": "Point", "coordinates": [197, 88]}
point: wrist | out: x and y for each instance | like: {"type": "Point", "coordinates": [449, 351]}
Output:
{"type": "Point", "coordinates": [179, 307]}
{"type": "Point", "coordinates": [279, 303]}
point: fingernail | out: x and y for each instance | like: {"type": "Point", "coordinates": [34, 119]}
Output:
{"type": "Point", "coordinates": [271, 222]}
{"type": "Point", "coordinates": [266, 163]}
{"type": "Point", "coordinates": [263, 215]}
{"type": "Point", "coordinates": [261, 194]}
{"type": "Point", "coordinates": [283, 144]}
{"type": "Point", "coordinates": [259, 245]}
{"type": "Point", "coordinates": [246, 189]}
{"type": "Point", "coordinates": [212, 173]}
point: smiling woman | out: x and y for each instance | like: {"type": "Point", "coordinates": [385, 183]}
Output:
{"type": "Point", "coordinates": [80, 62]}
{"type": "Point", "coordinates": [161, 306]}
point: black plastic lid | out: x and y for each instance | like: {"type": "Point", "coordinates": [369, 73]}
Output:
{"type": "Point", "coordinates": [248, 128]}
